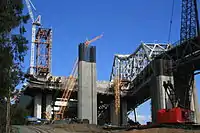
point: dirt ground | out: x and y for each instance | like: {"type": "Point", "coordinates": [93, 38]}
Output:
{"type": "Point", "coordinates": [162, 130]}
{"type": "Point", "coordinates": [83, 128]}
{"type": "Point", "coordinates": [79, 128]}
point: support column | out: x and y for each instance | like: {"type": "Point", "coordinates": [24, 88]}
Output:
{"type": "Point", "coordinates": [94, 93]}
{"type": "Point", "coordinates": [194, 103]}
{"type": "Point", "coordinates": [37, 105]}
{"type": "Point", "coordinates": [48, 105]}
{"type": "Point", "coordinates": [124, 112]}
{"type": "Point", "coordinates": [186, 90]}
{"type": "Point", "coordinates": [159, 98]}
{"type": "Point", "coordinates": [87, 94]}
{"type": "Point", "coordinates": [114, 119]}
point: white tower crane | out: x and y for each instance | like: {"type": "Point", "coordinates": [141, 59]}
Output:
{"type": "Point", "coordinates": [35, 22]}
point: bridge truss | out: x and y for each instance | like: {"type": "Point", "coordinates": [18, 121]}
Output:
{"type": "Point", "coordinates": [130, 66]}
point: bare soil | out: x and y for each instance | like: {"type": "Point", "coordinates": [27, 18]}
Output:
{"type": "Point", "coordinates": [162, 130]}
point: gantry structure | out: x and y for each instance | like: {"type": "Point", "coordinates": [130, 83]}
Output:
{"type": "Point", "coordinates": [43, 44]}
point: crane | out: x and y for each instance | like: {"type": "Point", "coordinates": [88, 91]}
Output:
{"type": "Point", "coordinates": [35, 22]}
{"type": "Point", "coordinates": [88, 42]}
{"type": "Point", "coordinates": [70, 83]}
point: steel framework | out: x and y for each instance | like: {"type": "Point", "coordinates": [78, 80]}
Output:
{"type": "Point", "coordinates": [189, 20]}
{"type": "Point", "coordinates": [130, 66]}
{"type": "Point", "coordinates": [43, 44]}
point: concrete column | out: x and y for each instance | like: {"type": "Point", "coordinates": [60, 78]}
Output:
{"type": "Point", "coordinates": [94, 92]}
{"type": "Point", "coordinates": [37, 105]}
{"type": "Point", "coordinates": [124, 112]}
{"type": "Point", "coordinates": [114, 119]}
{"type": "Point", "coordinates": [87, 95]}
{"type": "Point", "coordinates": [159, 98]}
{"type": "Point", "coordinates": [48, 105]}
{"type": "Point", "coordinates": [194, 103]}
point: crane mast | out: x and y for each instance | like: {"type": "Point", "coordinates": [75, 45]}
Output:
{"type": "Point", "coordinates": [35, 23]}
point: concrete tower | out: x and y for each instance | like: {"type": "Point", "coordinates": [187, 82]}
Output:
{"type": "Point", "coordinates": [87, 94]}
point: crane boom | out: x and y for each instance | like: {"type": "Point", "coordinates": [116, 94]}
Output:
{"type": "Point", "coordinates": [94, 39]}
{"type": "Point", "coordinates": [35, 22]}
{"type": "Point", "coordinates": [29, 9]}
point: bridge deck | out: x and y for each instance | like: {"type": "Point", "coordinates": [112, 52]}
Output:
{"type": "Point", "coordinates": [102, 87]}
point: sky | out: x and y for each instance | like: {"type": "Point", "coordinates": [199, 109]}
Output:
{"type": "Point", "coordinates": [124, 24]}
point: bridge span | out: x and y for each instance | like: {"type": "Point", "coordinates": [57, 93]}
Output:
{"type": "Point", "coordinates": [144, 72]}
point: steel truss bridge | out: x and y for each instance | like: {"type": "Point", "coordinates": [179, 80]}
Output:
{"type": "Point", "coordinates": [136, 70]}
{"type": "Point", "coordinates": [131, 65]}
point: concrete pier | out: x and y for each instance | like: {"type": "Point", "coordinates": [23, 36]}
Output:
{"type": "Point", "coordinates": [195, 104]}
{"type": "Point", "coordinates": [48, 105]}
{"type": "Point", "coordinates": [87, 94]}
{"type": "Point", "coordinates": [121, 118]}
{"type": "Point", "coordinates": [186, 90]}
{"type": "Point", "coordinates": [38, 105]}
{"type": "Point", "coordinates": [159, 98]}
{"type": "Point", "coordinates": [114, 119]}
{"type": "Point", "coordinates": [124, 112]}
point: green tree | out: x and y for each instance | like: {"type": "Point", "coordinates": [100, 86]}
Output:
{"type": "Point", "coordinates": [13, 46]}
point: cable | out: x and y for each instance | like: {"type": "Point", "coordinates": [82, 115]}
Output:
{"type": "Point", "coordinates": [170, 27]}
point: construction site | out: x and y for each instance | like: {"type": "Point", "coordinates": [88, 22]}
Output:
{"type": "Point", "coordinates": [162, 72]}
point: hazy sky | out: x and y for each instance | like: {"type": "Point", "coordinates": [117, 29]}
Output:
{"type": "Point", "coordinates": [124, 23]}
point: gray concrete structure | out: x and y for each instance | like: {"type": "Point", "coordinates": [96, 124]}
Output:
{"type": "Point", "coordinates": [159, 98]}
{"type": "Point", "coordinates": [87, 88]}
{"type": "Point", "coordinates": [87, 95]}
{"type": "Point", "coordinates": [124, 112]}
{"type": "Point", "coordinates": [194, 103]}
{"type": "Point", "coordinates": [38, 106]}
{"type": "Point", "coordinates": [48, 104]}
{"type": "Point", "coordinates": [114, 119]}
{"type": "Point", "coordinates": [120, 119]}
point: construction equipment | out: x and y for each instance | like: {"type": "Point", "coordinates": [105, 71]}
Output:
{"type": "Point", "coordinates": [189, 30]}
{"type": "Point", "coordinates": [35, 23]}
{"type": "Point", "coordinates": [175, 114]}
{"type": "Point", "coordinates": [94, 39]}
{"type": "Point", "coordinates": [70, 83]}
{"type": "Point", "coordinates": [68, 88]}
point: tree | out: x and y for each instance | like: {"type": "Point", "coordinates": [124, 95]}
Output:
{"type": "Point", "coordinates": [13, 47]}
